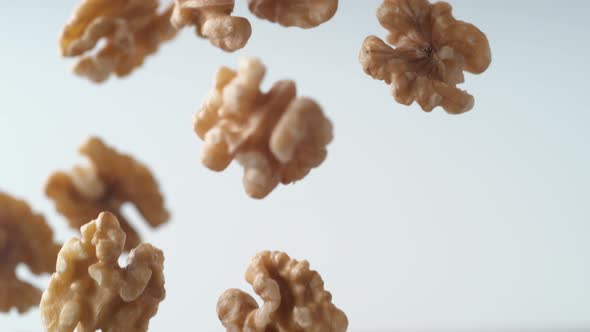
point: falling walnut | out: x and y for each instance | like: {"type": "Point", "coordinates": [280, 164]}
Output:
{"type": "Point", "coordinates": [90, 291]}
{"type": "Point", "coordinates": [109, 181]}
{"type": "Point", "coordinates": [132, 30]}
{"type": "Point", "coordinates": [212, 20]}
{"type": "Point", "coordinates": [294, 299]}
{"type": "Point", "coordinates": [300, 13]}
{"type": "Point", "coordinates": [25, 237]}
{"type": "Point", "coordinates": [276, 136]}
{"type": "Point", "coordinates": [432, 49]}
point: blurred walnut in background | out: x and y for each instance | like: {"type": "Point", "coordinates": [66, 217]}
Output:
{"type": "Point", "coordinates": [212, 20]}
{"type": "Point", "coordinates": [432, 51]}
{"type": "Point", "coordinates": [300, 13]}
{"type": "Point", "coordinates": [294, 299]}
{"type": "Point", "coordinates": [275, 136]}
{"type": "Point", "coordinates": [25, 237]}
{"type": "Point", "coordinates": [110, 180]}
{"type": "Point", "coordinates": [90, 291]}
{"type": "Point", "coordinates": [132, 29]}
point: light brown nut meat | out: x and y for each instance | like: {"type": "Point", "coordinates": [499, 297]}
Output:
{"type": "Point", "coordinates": [294, 299]}
{"type": "Point", "coordinates": [109, 181]}
{"type": "Point", "coordinates": [432, 49]}
{"type": "Point", "coordinates": [25, 237]}
{"type": "Point", "coordinates": [132, 29]}
{"type": "Point", "coordinates": [275, 136]}
{"type": "Point", "coordinates": [212, 20]}
{"type": "Point", "coordinates": [90, 291]}
{"type": "Point", "coordinates": [301, 13]}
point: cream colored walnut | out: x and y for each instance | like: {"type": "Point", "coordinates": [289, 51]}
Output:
{"type": "Point", "coordinates": [275, 136]}
{"type": "Point", "coordinates": [294, 299]}
{"type": "Point", "coordinates": [109, 181]}
{"type": "Point", "coordinates": [132, 30]}
{"type": "Point", "coordinates": [90, 291]}
{"type": "Point", "coordinates": [212, 20]}
{"type": "Point", "coordinates": [301, 13]}
{"type": "Point", "coordinates": [432, 49]}
{"type": "Point", "coordinates": [25, 237]}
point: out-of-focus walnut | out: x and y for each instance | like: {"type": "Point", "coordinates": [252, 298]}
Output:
{"type": "Point", "coordinates": [432, 51]}
{"type": "Point", "coordinates": [294, 299]}
{"type": "Point", "coordinates": [275, 136]}
{"type": "Point", "coordinates": [132, 29]}
{"type": "Point", "coordinates": [25, 237]}
{"type": "Point", "coordinates": [90, 291]}
{"type": "Point", "coordinates": [301, 13]}
{"type": "Point", "coordinates": [110, 180]}
{"type": "Point", "coordinates": [212, 20]}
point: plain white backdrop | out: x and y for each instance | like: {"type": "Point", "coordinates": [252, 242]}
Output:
{"type": "Point", "coordinates": [415, 221]}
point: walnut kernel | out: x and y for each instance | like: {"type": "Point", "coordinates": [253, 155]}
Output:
{"type": "Point", "coordinates": [301, 13]}
{"type": "Point", "coordinates": [294, 299]}
{"type": "Point", "coordinates": [432, 49]}
{"type": "Point", "coordinates": [212, 20]}
{"type": "Point", "coordinates": [275, 136]}
{"type": "Point", "coordinates": [110, 180]}
{"type": "Point", "coordinates": [25, 237]}
{"type": "Point", "coordinates": [132, 29]}
{"type": "Point", "coordinates": [90, 291]}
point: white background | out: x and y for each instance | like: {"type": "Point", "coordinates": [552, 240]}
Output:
{"type": "Point", "coordinates": [415, 221]}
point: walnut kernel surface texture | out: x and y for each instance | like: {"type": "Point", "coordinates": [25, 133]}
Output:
{"type": "Point", "coordinates": [90, 291]}
{"type": "Point", "coordinates": [300, 13]}
{"type": "Point", "coordinates": [276, 136]}
{"type": "Point", "coordinates": [432, 49]}
{"type": "Point", "coordinates": [212, 20]}
{"type": "Point", "coordinates": [109, 181]}
{"type": "Point", "coordinates": [294, 299]}
{"type": "Point", "coordinates": [132, 29]}
{"type": "Point", "coordinates": [25, 237]}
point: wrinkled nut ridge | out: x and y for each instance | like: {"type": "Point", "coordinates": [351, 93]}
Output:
{"type": "Point", "coordinates": [432, 49]}
{"type": "Point", "coordinates": [90, 291]}
{"type": "Point", "coordinates": [275, 136]}
{"type": "Point", "coordinates": [132, 29]}
{"type": "Point", "coordinates": [294, 299]}
{"type": "Point", "coordinates": [106, 184]}
{"type": "Point", "coordinates": [212, 20]}
{"type": "Point", "coordinates": [300, 13]}
{"type": "Point", "coordinates": [25, 237]}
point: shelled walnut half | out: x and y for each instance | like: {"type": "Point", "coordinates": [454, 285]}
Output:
{"type": "Point", "coordinates": [213, 20]}
{"type": "Point", "coordinates": [301, 13]}
{"type": "Point", "coordinates": [132, 30]}
{"type": "Point", "coordinates": [109, 181]}
{"type": "Point", "coordinates": [294, 299]}
{"type": "Point", "coordinates": [432, 49]}
{"type": "Point", "coordinates": [276, 136]}
{"type": "Point", "coordinates": [25, 237]}
{"type": "Point", "coordinates": [90, 291]}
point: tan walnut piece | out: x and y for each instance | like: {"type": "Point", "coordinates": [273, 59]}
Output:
{"type": "Point", "coordinates": [294, 299]}
{"type": "Point", "coordinates": [132, 30]}
{"type": "Point", "coordinates": [300, 13]}
{"type": "Point", "coordinates": [213, 20]}
{"type": "Point", "coordinates": [276, 136]}
{"type": "Point", "coordinates": [432, 49]}
{"type": "Point", "coordinates": [90, 291]}
{"type": "Point", "coordinates": [110, 180]}
{"type": "Point", "coordinates": [25, 237]}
